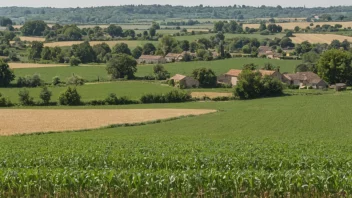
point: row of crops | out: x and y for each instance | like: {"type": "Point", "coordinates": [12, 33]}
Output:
{"type": "Point", "coordinates": [159, 168]}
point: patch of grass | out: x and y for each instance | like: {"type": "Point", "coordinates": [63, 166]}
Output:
{"type": "Point", "coordinates": [132, 89]}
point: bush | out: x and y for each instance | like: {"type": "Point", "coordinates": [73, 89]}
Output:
{"type": "Point", "coordinates": [171, 82]}
{"type": "Point", "coordinates": [30, 81]}
{"type": "Point", "coordinates": [56, 81]}
{"type": "Point", "coordinates": [25, 98]}
{"type": "Point", "coordinates": [112, 99]}
{"type": "Point", "coordinates": [74, 61]}
{"type": "Point", "coordinates": [160, 72]}
{"type": "Point", "coordinates": [271, 86]}
{"type": "Point", "coordinates": [206, 77]}
{"type": "Point", "coordinates": [4, 102]}
{"type": "Point", "coordinates": [265, 32]}
{"type": "Point", "coordinates": [6, 74]}
{"type": "Point", "coordinates": [70, 97]}
{"type": "Point", "coordinates": [174, 96]}
{"type": "Point", "coordinates": [45, 95]}
{"type": "Point", "coordinates": [75, 80]}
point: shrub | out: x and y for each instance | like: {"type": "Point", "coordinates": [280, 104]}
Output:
{"type": "Point", "coordinates": [6, 74]}
{"type": "Point", "coordinates": [271, 86]}
{"type": "Point", "coordinates": [25, 98]}
{"type": "Point", "coordinates": [112, 99]}
{"type": "Point", "coordinates": [174, 96]}
{"type": "Point", "coordinates": [160, 72]}
{"type": "Point", "coordinates": [45, 95]}
{"type": "Point", "coordinates": [74, 61]}
{"type": "Point", "coordinates": [30, 81]}
{"type": "Point", "coordinates": [70, 97]}
{"type": "Point", "coordinates": [75, 80]}
{"type": "Point", "coordinates": [4, 102]}
{"type": "Point", "coordinates": [56, 81]}
{"type": "Point", "coordinates": [206, 77]}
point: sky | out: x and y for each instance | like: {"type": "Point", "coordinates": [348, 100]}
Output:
{"type": "Point", "coordinates": [89, 3]}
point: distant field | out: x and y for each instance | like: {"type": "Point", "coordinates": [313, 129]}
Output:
{"type": "Point", "coordinates": [227, 36]}
{"type": "Point", "coordinates": [292, 25]}
{"type": "Point", "coordinates": [33, 65]}
{"type": "Point", "coordinates": [93, 73]}
{"type": "Point", "coordinates": [131, 89]}
{"type": "Point", "coordinates": [131, 44]}
{"type": "Point", "coordinates": [30, 39]}
{"type": "Point", "coordinates": [319, 38]}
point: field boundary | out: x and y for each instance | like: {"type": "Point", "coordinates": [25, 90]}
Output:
{"type": "Point", "coordinates": [111, 126]}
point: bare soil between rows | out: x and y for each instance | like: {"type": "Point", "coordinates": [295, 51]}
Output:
{"type": "Point", "coordinates": [26, 121]}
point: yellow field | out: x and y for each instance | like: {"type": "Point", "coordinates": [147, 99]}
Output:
{"type": "Point", "coordinates": [319, 38]}
{"type": "Point", "coordinates": [292, 25]}
{"type": "Point", "coordinates": [30, 39]}
{"type": "Point", "coordinates": [20, 121]}
{"type": "Point", "coordinates": [33, 65]}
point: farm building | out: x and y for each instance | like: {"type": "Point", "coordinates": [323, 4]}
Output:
{"type": "Point", "coordinates": [149, 59]}
{"type": "Point", "coordinates": [268, 52]}
{"type": "Point", "coordinates": [182, 81]}
{"type": "Point", "coordinates": [172, 57]}
{"type": "Point", "coordinates": [305, 80]}
{"type": "Point", "coordinates": [231, 77]}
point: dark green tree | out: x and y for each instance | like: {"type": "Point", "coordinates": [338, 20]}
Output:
{"type": "Point", "coordinates": [121, 48]}
{"type": "Point", "coordinates": [114, 31]}
{"type": "Point", "coordinates": [137, 52]}
{"type": "Point", "coordinates": [34, 28]}
{"type": "Point", "coordinates": [122, 66]}
{"type": "Point", "coordinates": [206, 77]}
{"type": "Point", "coordinates": [6, 74]}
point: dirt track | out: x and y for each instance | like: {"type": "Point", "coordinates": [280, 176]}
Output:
{"type": "Point", "coordinates": [21, 121]}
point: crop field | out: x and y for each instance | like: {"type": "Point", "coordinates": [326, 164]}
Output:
{"type": "Point", "coordinates": [96, 91]}
{"type": "Point", "coordinates": [93, 73]}
{"type": "Point", "coordinates": [228, 36]}
{"type": "Point", "coordinates": [68, 120]}
{"type": "Point", "coordinates": [30, 39]}
{"type": "Point", "coordinates": [33, 65]}
{"type": "Point", "coordinates": [274, 147]}
{"type": "Point", "coordinates": [319, 38]}
{"type": "Point", "coordinates": [292, 25]}
{"type": "Point", "coordinates": [131, 44]}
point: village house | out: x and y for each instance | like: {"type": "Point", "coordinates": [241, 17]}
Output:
{"type": "Point", "coordinates": [173, 57]}
{"type": "Point", "coordinates": [150, 59]}
{"type": "Point", "coordinates": [305, 80]}
{"type": "Point", "coordinates": [231, 77]}
{"type": "Point", "coordinates": [182, 81]}
{"type": "Point", "coordinates": [268, 52]}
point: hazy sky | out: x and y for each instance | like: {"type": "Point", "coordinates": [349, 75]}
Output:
{"type": "Point", "coordinates": [88, 3]}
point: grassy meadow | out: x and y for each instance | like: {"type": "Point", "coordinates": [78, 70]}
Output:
{"type": "Point", "coordinates": [131, 89]}
{"type": "Point", "coordinates": [191, 38]}
{"type": "Point", "coordinates": [93, 73]}
{"type": "Point", "coordinates": [294, 145]}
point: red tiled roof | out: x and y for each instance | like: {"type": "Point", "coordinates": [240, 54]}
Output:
{"type": "Point", "coordinates": [234, 72]}
{"type": "Point", "coordinates": [178, 77]}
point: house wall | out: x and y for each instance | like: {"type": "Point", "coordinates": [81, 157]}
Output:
{"type": "Point", "coordinates": [224, 79]}
{"type": "Point", "coordinates": [190, 82]}
{"type": "Point", "coordinates": [234, 81]}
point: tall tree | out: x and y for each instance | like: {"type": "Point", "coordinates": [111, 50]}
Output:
{"type": "Point", "coordinates": [6, 74]}
{"type": "Point", "coordinates": [122, 66]}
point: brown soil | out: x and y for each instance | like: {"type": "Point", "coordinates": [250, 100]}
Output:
{"type": "Point", "coordinates": [22, 121]}
{"type": "Point", "coordinates": [210, 94]}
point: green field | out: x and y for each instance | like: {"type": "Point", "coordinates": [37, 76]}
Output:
{"type": "Point", "coordinates": [229, 36]}
{"type": "Point", "coordinates": [132, 89]}
{"type": "Point", "coordinates": [295, 145]}
{"type": "Point", "coordinates": [93, 73]}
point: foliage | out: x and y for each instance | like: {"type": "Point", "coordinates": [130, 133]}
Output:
{"type": "Point", "coordinates": [334, 66]}
{"type": "Point", "coordinates": [45, 95]}
{"type": "Point", "coordinates": [35, 51]}
{"type": "Point", "coordinates": [250, 66]}
{"type": "Point", "coordinates": [122, 65]}
{"type": "Point", "coordinates": [137, 52]}
{"type": "Point", "coordinates": [70, 97]}
{"type": "Point", "coordinates": [174, 96]}
{"type": "Point", "coordinates": [149, 49]}
{"type": "Point", "coordinates": [75, 80]}
{"type": "Point", "coordinates": [30, 81]}
{"type": "Point", "coordinates": [102, 51]}
{"type": "Point", "coordinates": [206, 77]}
{"type": "Point", "coordinates": [121, 48]}
{"type": "Point", "coordinates": [56, 81]}
{"type": "Point", "coordinates": [114, 31]}
{"type": "Point", "coordinates": [305, 67]}
{"type": "Point", "coordinates": [4, 102]}
{"type": "Point", "coordinates": [6, 74]}
{"type": "Point", "coordinates": [167, 43]}
{"type": "Point", "coordinates": [34, 28]}
{"type": "Point", "coordinates": [24, 98]}
{"type": "Point", "coordinates": [160, 72]}
{"type": "Point", "coordinates": [84, 52]}
{"type": "Point", "coordinates": [74, 61]}
{"type": "Point", "coordinates": [112, 99]}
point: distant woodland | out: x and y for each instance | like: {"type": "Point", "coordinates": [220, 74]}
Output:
{"type": "Point", "coordinates": [134, 13]}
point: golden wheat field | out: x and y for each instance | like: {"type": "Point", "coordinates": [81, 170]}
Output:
{"type": "Point", "coordinates": [210, 94]}
{"type": "Point", "coordinates": [319, 38]}
{"type": "Point", "coordinates": [292, 25]}
{"type": "Point", "coordinates": [34, 120]}
{"type": "Point", "coordinates": [33, 65]}
{"type": "Point", "coordinates": [30, 39]}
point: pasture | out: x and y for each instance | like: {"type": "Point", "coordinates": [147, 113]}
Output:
{"type": "Point", "coordinates": [273, 147]}
{"type": "Point", "coordinates": [191, 38]}
{"type": "Point", "coordinates": [96, 91]}
{"type": "Point", "coordinates": [292, 25]}
{"type": "Point", "coordinates": [319, 38]}
{"type": "Point", "coordinates": [95, 73]}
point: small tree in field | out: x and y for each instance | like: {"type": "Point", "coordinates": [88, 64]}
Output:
{"type": "Point", "coordinates": [160, 72]}
{"type": "Point", "coordinates": [122, 66]}
{"type": "Point", "coordinates": [45, 95]}
{"type": "Point", "coordinates": [6, 74]}
{"type": "Point", "coordinates": [70, 97]}
{"type": "Point", "coordinates": [25, 98]}
{"type": "Point", "coordinates": [206, 77]}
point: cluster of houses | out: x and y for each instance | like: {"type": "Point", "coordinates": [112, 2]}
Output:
{"type": "Point", "coordinates": [268, 52]}
{"type": "Point", "coordinates": [169, 58]}
{"type": "Point", "coordinates": [303, 80]}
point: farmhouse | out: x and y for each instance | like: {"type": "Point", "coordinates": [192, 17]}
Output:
{"type": "Point", "coordinates": [305, 80]}
{"type": "Point", "coordinates": [149, 59]}
{"type": "Point", "coordinates": [182, 81]}
{"type": "Point", "coordinates": [172, 57]}
{"type": "Point", "coordinates": [231, 77]}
